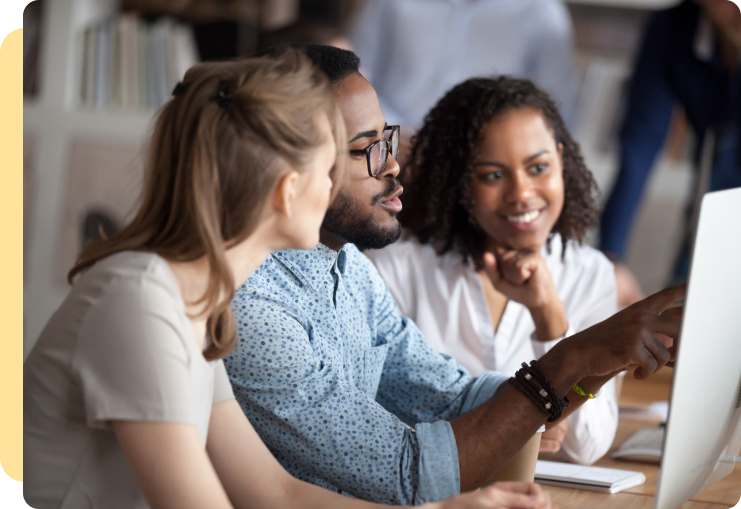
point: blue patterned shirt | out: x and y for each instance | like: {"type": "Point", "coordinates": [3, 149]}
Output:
{"type": "Point", "coordinates": [345, 392]}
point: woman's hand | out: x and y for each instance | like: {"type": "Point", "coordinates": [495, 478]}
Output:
{"type": "Point", "coordinates": [522, 276]}
{"type": "Point", "coordinates": [553, 437]}
{"type": "Point", "coordinates": [501, 495]}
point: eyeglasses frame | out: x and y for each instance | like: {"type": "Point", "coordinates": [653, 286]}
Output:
{"type": "Point", "coordinates": [367, 150]}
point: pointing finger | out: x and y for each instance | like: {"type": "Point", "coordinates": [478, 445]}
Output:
{"type": "Point", "coordinates": [660, 301]}
{"type": "Point", "coordinates": [674, 313]}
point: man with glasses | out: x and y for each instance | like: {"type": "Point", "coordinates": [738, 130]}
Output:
{"type": "Point", "coordinates": [345, 392]}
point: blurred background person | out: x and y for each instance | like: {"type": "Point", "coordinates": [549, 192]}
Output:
{"type": "Point", "coordinates": [689, 56]}
{"type": "Point", "coordinates": [414, 51]}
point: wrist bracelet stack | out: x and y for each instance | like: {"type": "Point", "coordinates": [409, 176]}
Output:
{"type": "Point", "coordinates": [531, 381]}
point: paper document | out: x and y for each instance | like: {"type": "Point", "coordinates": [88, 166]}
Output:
{"type": "Point", "coordinates": [605, 480]}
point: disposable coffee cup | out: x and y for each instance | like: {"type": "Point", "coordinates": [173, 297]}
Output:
{"type": "Point", "coordinates": [522, 465]}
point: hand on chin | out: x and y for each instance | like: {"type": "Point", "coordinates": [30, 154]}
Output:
{"type": "Point", "coordinates": [520, 275]}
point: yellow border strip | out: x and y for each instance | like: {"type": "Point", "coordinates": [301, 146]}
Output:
{"type": "Point", "coordinates": [11, 254]}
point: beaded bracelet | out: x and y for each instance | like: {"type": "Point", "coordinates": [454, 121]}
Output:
{"type": "Point", "coordinates": [532, 382]}
{"type": "Point", "coordinates": [581, 392]}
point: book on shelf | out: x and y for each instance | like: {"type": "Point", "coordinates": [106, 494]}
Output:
{"type": "Point", "coordinates": [158, 63]}
{"type": "Point", "coordinates": [104, 68]}
{"type": "Point", "coordinates": [130, 64]}
{"type": "Point", "coordinates": [142, 62]}
{"type": "Point", "coordinates": [87, 83]}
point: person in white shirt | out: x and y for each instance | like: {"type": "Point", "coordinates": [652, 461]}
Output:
{"type": "Point", "coordinates": [491, 267]}
{"type": "Point", "coordinates": [415, 50]}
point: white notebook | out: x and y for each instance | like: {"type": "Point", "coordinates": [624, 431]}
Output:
{"type": "Point", "coordinates": [568, 475]}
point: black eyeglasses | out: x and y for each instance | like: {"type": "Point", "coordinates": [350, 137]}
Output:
{"type": "Point", "coordinates": [377, 153]}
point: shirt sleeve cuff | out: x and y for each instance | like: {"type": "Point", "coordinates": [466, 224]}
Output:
{"type": "Point", "coordinates": [543, 347]}
{"type": "Point", "coordinates": [482, 389]}
{"type": "Point", "coordinates": [439, 472]}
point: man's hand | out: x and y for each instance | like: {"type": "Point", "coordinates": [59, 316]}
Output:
{"type": "Point", "coordinates": [675, 313]}
{"type": "Point", "coordinates": [553, 438]}
{"type": "Point", "coordinates": [639, 336]}
{"type": "Point", "coordinates": [522, 276]}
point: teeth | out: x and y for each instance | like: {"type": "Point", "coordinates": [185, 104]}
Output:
{"type": "Point", "coordinates": [524, 218]}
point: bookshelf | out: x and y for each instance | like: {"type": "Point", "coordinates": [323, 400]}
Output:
{"type": "Point", "coordinates": [53, 122]}
{"type": "Point", "coordinates": [84, 158]}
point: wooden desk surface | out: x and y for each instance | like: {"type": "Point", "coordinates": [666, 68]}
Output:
{"type": "Point", "coordinates": [566, 499]}
{"type": "Point", "coordinates": [635, 394]}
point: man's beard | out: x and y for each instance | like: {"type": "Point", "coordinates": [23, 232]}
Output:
{"type": "Point", "coordinates": [343, 220]}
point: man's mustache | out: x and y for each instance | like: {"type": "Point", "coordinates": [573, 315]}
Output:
{"type": "Point", "coordinates": [391, 186]}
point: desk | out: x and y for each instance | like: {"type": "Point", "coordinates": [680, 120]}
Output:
{"type": "Point", "coordinates": [638, 394]}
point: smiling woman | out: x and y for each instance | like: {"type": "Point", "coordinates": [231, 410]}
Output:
{"type": "Point", "coordinates": [497, 202]}
{"type": "Point", "coordinates": [517, 189]}
{"type": "Point", "coordinates": [455, 144]}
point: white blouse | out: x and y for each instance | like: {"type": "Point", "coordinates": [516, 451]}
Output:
{"type": "Point", "coordinates": [446, 299]}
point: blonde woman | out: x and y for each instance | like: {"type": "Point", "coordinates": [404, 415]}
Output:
{"type": "Point", "coordinates": [126, 400]}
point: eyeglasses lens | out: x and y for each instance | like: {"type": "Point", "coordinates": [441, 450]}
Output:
{"type": "Point", "coordinates": [394, 141]}
{"type": "Point", "coordinates": [378, 156]}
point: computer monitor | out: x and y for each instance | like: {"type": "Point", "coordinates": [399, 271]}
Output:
{"type": "Point", "coordinates": [703, 431]}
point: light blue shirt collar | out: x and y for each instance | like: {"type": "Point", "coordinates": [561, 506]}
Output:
{"type": "Point", "coordinates": [311, 266]}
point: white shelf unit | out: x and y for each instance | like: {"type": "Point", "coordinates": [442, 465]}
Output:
{"type": "Point", "coordinates": [54, 121]}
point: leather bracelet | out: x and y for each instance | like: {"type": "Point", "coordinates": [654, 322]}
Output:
{"type": "Point", "coordinates": [537, 372]}
{"type": "Point", "coordinates": [531, 381]}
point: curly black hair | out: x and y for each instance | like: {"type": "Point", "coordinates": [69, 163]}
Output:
{"type": "Point", "coordinates": [437, 178]}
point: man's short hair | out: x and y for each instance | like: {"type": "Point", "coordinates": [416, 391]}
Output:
{"type": "Point", "coordinates": [336, 63]}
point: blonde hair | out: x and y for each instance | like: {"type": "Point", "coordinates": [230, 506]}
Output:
{"type": "Point", "coordinates": [216, 152]}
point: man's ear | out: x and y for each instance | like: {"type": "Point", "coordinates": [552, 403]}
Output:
{"type": "Point", "coordinates": [285, 193]}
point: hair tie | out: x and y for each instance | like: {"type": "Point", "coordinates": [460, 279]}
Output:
{"type": "Point", "coordinates": [225, 98]}
{"type": "Point", "coordinates": [180, 88]}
